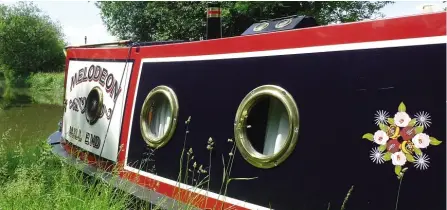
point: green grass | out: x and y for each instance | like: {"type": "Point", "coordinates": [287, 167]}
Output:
{"type": "Point", "coordinates": [31, 177]}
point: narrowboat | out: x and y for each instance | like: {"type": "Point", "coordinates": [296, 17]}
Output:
{"type": "Point", "coordinates": [288, 115]}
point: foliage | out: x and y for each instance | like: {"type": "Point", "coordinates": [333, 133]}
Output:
{"type": "Point", "coordinates": [31, 42]}
{"type": "Point", "coordinates": [46, 81]}
{"type": "Point", "coordinates": [46, 88]}
{"type": "Point", "coordinates": [158, 20]}
{"type": "Point", "coordinates": [31, 177]}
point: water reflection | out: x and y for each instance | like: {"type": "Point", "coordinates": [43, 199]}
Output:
{"type": "Point", "coordinates": [29, 116]}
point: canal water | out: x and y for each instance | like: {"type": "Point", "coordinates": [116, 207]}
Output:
{"type": "Point", "coordinates": [26, 117]}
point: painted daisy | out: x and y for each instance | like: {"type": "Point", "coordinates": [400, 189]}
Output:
{"type": "Point", "coordinates": [421, 161]}
{"type": "Point", "coordinates": [381, 116]}
{"type": "Point", "coordinates": [376, 156]}
{"type": "Point", "coordinates": [423, 119]}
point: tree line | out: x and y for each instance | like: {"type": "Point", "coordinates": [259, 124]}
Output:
{"type": "Point", "coordinates": [31, 42]}
{"type": "Point", "coordinates": [185, 20]}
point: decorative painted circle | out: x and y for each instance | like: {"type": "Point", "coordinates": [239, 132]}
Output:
{"type": "Point", "coordinates": [283, 23]}
{"type": "Point", "coordinates": [93, 105]}
{"type": "Point", "coordinates": [261, 26]}
{"type": "Point", "coordinates": [158, 117]}
{"type": "Point", "coordinates": [285, 128]}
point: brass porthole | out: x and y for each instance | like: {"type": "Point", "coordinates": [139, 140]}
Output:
{"type": "Point", "coordinates": [158, 117]}
{"type": "Point", "coordinates": [261, 26]}
{"type": "Point", "coordinates": [93, 105]}
{"type": "Point", "coordinates": [283, 23]}
{"type": "Point", "coordinates": [266, 126]}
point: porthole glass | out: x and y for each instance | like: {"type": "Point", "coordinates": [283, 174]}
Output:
{"type": "Point", "coordinates": [266, 126]}
{"type": "Point", "coordinates": [158, 116]}
{"type": "Point", "coordinates": [261, 26]}
{"type": "Point", "coordinates": [283, 23]}
{"type": "Point", "coordinates": [93, 105]}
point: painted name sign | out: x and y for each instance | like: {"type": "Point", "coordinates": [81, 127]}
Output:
{"type": "Point", "coordinates": [96, 73]}
{"type": "Point", "coordinates": [78, 104]}
{"type": "Point", "coordinates": [110, 79]}
{"type": "Point", "coordinates": [89, 139]}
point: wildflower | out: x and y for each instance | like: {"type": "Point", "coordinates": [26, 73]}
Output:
{"type": "Point", "coordinates": [190, 151]}
{"type": "Point", "coordinates": [230, 154]}
{"type": "Point", "coordinates": [188, 120]}
{"type": "Point", "coordinates": [194, 165]}
{"type": "Point", "coordinates": [210, 140]}
{"type": "Point", "coordinates": [230, 140]}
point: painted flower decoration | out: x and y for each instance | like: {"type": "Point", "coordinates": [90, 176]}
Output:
{"type": "Point", "coordinates": [380, 137]}
{"type": "Point", "coordinates": [400, 139]}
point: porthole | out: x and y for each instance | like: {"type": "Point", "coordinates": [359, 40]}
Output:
{"type": "Point", "coordinates": [283, 23]}
{"type": "Point", "coordinates": [261, 26]}
{"type": "Point", "coordinates": [266, 126]}
{"type": "Point", "coordinates": [93, 105]}
{"type": "Point", "coordinates": [158, 117]}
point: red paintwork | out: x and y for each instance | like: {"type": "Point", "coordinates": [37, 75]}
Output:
{"type": "Point", "coordinates": [427, 25]}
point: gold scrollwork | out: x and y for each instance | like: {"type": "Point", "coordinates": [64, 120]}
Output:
{"type": "Point", "coordinates": [243, 142]}
{"type": "Point", "coordinates": [164, 93]}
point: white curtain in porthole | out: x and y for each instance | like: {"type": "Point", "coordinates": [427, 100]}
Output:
{"type": "Point", "coordinates": [277, 127]}
{"type": "Point", "coordinates": [161, 118]}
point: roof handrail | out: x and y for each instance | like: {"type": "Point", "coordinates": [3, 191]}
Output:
{"type": "Point", "coordinates": [121, 42]}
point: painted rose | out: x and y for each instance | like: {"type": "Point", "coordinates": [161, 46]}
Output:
{"type": "Point", "coordinates": [380, 137]}
{"type": "Point", "coordinates": [408, 133]}
{"type": "Point", "coordinates": [393, 146]}
{"type": "Point", "coordinates": [401, 119]}
{"type": "Point", "coordinates": [398, 158]}
{"type": "Point", "coordinates": [421, 140]}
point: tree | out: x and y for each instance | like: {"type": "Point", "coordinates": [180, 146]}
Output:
{"type": "Point", "coordinates": [30, 42]}
{"type": "Point", "coordinates": [157, 20]}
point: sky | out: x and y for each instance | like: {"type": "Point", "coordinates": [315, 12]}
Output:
{"type": "Point", "coordinates": [82, 18]}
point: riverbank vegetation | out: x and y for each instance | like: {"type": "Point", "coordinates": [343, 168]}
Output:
{"type": "Point", "coordinates": [31, 50]}
{"type": "Point", "coordinates": [31, 177]}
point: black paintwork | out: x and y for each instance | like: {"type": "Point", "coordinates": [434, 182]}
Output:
{"type": "Point", "coordinates": [337, 94]}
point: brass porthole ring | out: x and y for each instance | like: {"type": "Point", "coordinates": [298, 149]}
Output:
{"type": "Point", "coordinates": [94, 105]}
{"type": "Point", "coordinates": [261, 26]}
{"type": "Point", "coordinates": [244, 144]}
{"type": "Point", "coordinates": [158, 117]}
{"type": "Point", "coordinates": [283, 23]}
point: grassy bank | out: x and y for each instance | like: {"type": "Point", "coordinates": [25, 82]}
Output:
{"type": "Point", "coordinates": [31, 177]}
